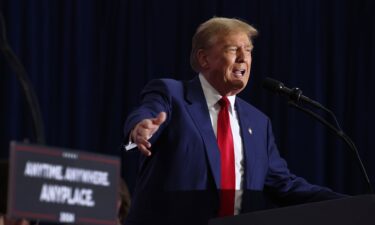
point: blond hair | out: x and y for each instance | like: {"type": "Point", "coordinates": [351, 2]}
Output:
{"type": "Point", "coordinates": [206, 33]}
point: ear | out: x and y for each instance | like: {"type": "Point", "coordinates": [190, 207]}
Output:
{"type": "Point", "coordinates": [202, 59]}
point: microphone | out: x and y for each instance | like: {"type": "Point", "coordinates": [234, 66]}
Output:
{"type": "Point", "coordinates": [294, 94]}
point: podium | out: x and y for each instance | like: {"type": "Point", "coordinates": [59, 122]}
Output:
{"type": "Point", "coordinates": [357, 210]}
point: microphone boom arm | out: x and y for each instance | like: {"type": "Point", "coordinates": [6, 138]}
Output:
{"type": "Point", "coordinates": [341, 135]}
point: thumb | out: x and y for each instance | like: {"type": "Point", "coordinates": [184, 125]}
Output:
{"type": "Point", "coordinates": [160, 118]}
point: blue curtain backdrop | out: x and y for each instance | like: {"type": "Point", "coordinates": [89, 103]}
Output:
{"type": "Point", "coordinates": [88, 61]}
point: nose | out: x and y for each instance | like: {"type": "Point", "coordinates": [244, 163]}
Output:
{"type": "Point", "coordinates": [241, 55]}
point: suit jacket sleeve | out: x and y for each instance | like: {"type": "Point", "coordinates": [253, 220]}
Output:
{"type": "Point", "coordinates": [154, 99]}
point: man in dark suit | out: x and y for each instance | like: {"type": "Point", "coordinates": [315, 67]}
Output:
{"type": "Point", "coordinates": [206, 152]}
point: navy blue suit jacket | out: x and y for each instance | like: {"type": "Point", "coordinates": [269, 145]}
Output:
{"type": "Point", "coordinates": [179, 183]}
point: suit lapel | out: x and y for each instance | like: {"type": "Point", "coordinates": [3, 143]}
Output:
{"type": "Point", "coordinates": [198, 110]}
{"type": "Point", "coordinates": [249, 143]}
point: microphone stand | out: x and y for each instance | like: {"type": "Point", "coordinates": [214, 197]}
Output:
{"type": "Point", "coordinates": [25, 83]}
{"type": "Point", "coordinates": [340, 133]}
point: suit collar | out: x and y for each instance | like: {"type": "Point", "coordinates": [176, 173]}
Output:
{"type": "Point", "coordinates": [212, 95]}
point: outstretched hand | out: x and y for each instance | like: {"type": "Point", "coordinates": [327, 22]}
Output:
{"type": "Point", "coordinates": [144, 130]}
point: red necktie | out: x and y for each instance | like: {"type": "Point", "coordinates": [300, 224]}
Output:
{"type": "Point", "coordinates": [225, 143]}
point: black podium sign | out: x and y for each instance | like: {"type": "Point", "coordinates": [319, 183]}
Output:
{"type": "Point", "coordinates": [61, 185]}
{"type": "Point", "coordinates": [357, 210]}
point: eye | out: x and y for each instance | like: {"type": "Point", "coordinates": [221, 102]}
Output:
{"type": "Point", "coordinates": [232, 49]}
{"type": "Point", "coordinates": [249, 49]}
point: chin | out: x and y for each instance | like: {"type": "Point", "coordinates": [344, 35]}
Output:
{"type": "Point", "coordinates": [239, 84]}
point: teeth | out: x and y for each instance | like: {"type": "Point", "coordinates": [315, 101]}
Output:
{"type": "Point", "coordinates": [239, 72]}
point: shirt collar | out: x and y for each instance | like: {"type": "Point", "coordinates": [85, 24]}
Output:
{"type": "Point", "coordinates": [212, 95]}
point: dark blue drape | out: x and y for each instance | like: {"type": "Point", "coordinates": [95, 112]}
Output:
{"type": "Point", "coordinates": [88, 61]}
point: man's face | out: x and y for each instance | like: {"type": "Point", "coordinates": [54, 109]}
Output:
{"type": "Point", "coordinates": [226, 65]}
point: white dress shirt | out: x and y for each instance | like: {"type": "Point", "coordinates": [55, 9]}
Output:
{"type": "Point", "coordinates": [212, 97]}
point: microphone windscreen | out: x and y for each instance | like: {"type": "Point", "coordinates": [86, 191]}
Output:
{"type": "Point", "coordinates": [272, 84]}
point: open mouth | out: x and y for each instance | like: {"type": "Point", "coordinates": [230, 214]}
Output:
{"type": "Point", "coordinates": [239, 72]}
